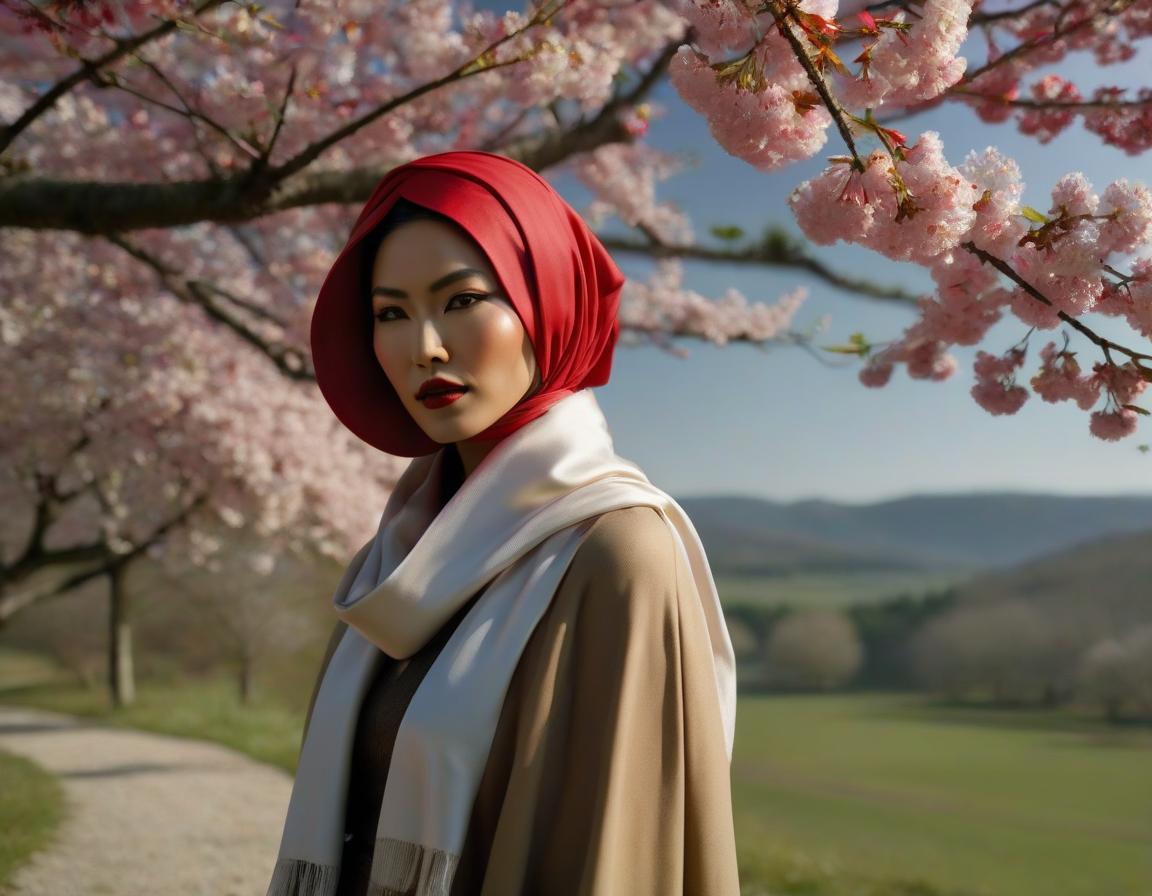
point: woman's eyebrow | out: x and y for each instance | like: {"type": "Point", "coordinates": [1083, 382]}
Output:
{"type": "Point", "coordinates": [461, 274]}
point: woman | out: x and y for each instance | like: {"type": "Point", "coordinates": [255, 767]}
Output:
{"type": "Point", "coordinates": [531, 687]}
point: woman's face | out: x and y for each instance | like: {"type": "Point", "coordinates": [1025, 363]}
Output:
{"type": "Point", "coordinates": [438, 311]}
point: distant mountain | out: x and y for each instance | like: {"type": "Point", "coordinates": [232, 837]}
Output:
{"type": "Point", "coordinates": [1109, 576]}
{"type": "Point", "coordinates": [967, 531]}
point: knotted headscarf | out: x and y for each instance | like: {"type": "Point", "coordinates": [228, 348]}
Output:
{"type": "Point", "coordinates": [558, 276]}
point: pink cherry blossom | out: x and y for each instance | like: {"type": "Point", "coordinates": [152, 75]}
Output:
{"type": "Point", "coordinates": [1113, 425]}
{"type": "Point", "coordinates": [624, 178]}
{"type": "Point", "coordinates": [996, 390]}
{"type": "Point", "coordinates": [907, 69]}
{"type": "Point", "coordinates": [1129, 207]}
{"type": "Point", "coordinates": [875, 375]}
{"type": "Point", "coordinates": [1046, 123]}
{"type": "Point", "coordinates": [662, 305]}
{"type": "Point", "coordinates": [1060, 379]}
{"type": "Point", "coordinates": [764, 127]}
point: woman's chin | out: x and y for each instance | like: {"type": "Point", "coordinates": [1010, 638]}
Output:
{"type": "Point", "coordinates": [448, 431]}
{"type": "Point", "coordinates": [454, 422]}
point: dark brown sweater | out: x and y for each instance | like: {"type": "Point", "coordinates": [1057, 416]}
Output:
{"type": "Point", "coordinates": [385, 703]}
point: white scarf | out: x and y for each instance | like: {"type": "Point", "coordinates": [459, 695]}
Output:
{"type": "Point", "coordinates": [515, 522]}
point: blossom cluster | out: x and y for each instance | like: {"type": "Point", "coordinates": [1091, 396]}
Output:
{"type": "Point", "coordinates": [1049, 32]}
{"type": "Point", "coordinates": [623, 177]}
{"type": "Point", "coordinates": [653, 311]}
{"type": "Point", "coordinates": [988, 254]}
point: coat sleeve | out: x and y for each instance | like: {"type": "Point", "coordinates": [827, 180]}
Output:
{"type": "Point", "coordinates": [609, 772]}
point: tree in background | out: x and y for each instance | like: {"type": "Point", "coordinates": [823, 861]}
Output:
{"type": "Point", "coordinates": [813, 650]}
{"type": "Point", "coordinates": [1115, 674]}
{"type": "Point", "coordinates": [886, 629]}
{"type": "Point", "coordinates": [1012, 652]}
{"type": "Point", "coordinates": [141, 432]}
{"type": "Point", "coordinates": [255, 613]}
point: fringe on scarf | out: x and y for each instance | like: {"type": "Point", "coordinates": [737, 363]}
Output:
{"type": "Point", "coordinates": [296, 877]}
{"type": "Point", "coordinates": [403, 868]}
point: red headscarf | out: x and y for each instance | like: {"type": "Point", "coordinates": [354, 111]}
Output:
{"type": "Point", "coordinates": [558, 276]}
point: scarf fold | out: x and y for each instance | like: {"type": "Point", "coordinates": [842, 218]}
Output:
{"type": "Point", "coordinates": [514, 526]}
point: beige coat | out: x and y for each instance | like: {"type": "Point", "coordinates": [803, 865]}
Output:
{"type": "Point", "coordinates": [608, 772]}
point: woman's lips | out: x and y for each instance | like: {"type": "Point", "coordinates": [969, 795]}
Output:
{"type": "Point", "coordinates": [441, 399]}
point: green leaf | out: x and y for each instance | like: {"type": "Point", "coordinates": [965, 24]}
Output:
{"type": "Point", "coordinates": [1032, 215]}
{"type": "Point", "coordinates": [842, 349]}
{"type": "Point", "coordinates": [728, 233]}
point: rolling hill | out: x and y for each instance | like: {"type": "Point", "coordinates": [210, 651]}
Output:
{"type": "Point", "coordinates": [976, 532]}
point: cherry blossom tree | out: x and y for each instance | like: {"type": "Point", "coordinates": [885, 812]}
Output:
{"type": "Point", "coordinates": [176, 176]}
{"type": "Point", "coordinates": [138, 429]}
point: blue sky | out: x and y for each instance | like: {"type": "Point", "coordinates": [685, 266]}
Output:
{"type": "Point", "coordinates": [782, 425]}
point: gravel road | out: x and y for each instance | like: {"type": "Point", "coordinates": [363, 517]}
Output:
{"type": "Point", "coordinates": [148, 813]}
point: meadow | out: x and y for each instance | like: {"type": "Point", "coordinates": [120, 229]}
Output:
{"type": "Point", "coordinates": [834, 795]}
{"type": "Point", "coordinates": [829, 590]}
{"type": "Point", "coordinates": [939, 799]}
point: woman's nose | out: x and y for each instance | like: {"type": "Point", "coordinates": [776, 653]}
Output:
{"type": "Point", "coordinates": [429, 345]}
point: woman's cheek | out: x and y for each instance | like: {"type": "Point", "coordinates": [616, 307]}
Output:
{"type": "Point", "coordinates": [495, 342]}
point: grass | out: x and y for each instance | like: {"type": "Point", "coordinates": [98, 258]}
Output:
{"type": "Point", "coordinates": [836, 795]}
{"type": "Point", "coordinates": [1020, 803]}
{"type": "Point", "coordinates": [31, 808]}
{"type": "Point", "coordinates": [830, 590]}
{"type": "Point", "coordinates": [206, 709]}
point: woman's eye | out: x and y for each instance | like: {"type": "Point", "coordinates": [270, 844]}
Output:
{"type": "Point", "coordinates": [476, 296]}
{"type": "Point", "coordinates": [384, 314]}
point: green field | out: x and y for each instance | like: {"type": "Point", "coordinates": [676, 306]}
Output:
{"type": "Point", "coordinates": [996, 802]}
{"type": "Point", "coordinates": [860, 795]}
{"type": "Point", "coordinates": [830, 590]}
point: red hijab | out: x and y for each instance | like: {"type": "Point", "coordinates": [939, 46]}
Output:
{"type": "Point", "coordinates": [558, 276]}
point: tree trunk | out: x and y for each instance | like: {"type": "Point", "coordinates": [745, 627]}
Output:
{"type": "Point", "coordinates": [121, 681]}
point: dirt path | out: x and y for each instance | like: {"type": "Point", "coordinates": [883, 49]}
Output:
{"type": "Point", "coordinates": [148, 813]}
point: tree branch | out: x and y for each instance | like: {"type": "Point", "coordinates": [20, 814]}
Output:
{"type": "Point", "coordinates": [1055, 104]}
{"type": "Point", "coordinates": [88, 70]}
{"type": "Point", "coordinates": [480, 63]}
{"type": "Point", "coordinates": [103, 208]}
{"type": "Point", "coordinates": [1114, 8]}
{"type": "Point", "coordinates": [291, 361]}
{"type": "Point", "coordinates": [777, 249]}
{"type": "Point", "coordinates": [1106, 344]}
{"type": "Point", "coordinates": [12, 603]}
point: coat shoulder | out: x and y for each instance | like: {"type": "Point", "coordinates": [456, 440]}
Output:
{"type": "Point", "coordinates": [627, 546]}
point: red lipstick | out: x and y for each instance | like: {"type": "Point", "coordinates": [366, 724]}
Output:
{"type": "Point", "coordinates": [441, 399]}
{"type": "Point", "coordinates": [438, 392]}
